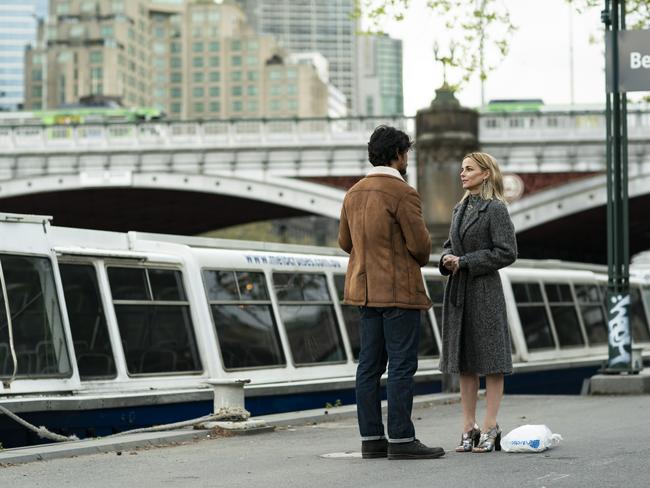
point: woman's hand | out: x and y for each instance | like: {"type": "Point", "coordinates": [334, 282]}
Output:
{"type": "Point", "coordinates": [451, 263]}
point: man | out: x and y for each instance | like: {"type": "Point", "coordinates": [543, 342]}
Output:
{"type": "Point", "coordinates": [383, 231]}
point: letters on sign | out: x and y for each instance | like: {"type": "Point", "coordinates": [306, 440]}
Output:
{"type": "Point", "coordinates": [638, 60]}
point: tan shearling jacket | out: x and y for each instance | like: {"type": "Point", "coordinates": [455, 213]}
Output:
{"type": "Point", "coordinates": [383, 230]}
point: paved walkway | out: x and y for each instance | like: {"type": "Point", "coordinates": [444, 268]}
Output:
{"type": "Point", "coordinates": [606, 444]}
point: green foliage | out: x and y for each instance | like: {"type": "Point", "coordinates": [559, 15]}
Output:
{"type": "Point", "coordinates": [474, 29]}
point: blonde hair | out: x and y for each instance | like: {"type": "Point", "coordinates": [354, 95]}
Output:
{"type": "Point", "coordinates": [492, 186]}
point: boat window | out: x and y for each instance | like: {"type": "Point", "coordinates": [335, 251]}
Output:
{"type": "Point", "coordinates": [156, 331]}
{"type": "Point", "coordinates": [36, 325]}
{"type": "Point", "coordinates": [128, 283]}
{"type": "Point", "coordinates": [437, 294]}
{"type": "Point", "coordinates": [87, 322]}
{"type": "Point", "coordinates": [592, 310]}
{"type": "Point", "coordinates": [436, 289]}
{"type": "Point", "coordinates": [307, 312]}
{"type": "Point", "coordinates": [563, 311]}
{"type": "Point", "coordinates": [351, 316]}
{"type": "Point", "coordinates": [243, 319]}
{"type": "Point", "coordinates": [427, 348]}
{"type": "Point", "coordinates": [638, 318]}
{"type": "Point", "coordinates": [235, 286]}
{"type": "Point", "coordinates": [532, 315]}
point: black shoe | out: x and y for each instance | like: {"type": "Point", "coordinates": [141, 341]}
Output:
{"type": "Point", "coordinates": [374, 449]}
{"type": "Point", "coordinates": [413, 450]}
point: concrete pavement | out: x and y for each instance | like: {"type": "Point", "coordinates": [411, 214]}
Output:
{"type": "Point", "coordinates": [605, 445]}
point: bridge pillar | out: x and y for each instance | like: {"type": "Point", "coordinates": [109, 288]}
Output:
{"type": "Point", "coordinates": [445, 132]}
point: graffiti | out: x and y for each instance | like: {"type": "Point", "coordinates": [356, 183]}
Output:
{"type": "Point", "coordinates": [619, 330]}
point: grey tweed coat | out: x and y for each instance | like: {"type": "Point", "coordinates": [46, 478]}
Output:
{"type": "Point", "coordinates": [475, 336]}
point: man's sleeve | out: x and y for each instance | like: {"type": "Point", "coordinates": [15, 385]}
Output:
{"type": "Point", "coordinates": [345, 239]}
{"type": "Point", "coordinates": [409, 216]}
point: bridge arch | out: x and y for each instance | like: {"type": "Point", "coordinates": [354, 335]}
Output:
{"type": "Point", "coordinates": [188, 196]}
{"type": "Point", "coordinates": [570, 221]}
{"type": "Point", "coordinates": [568, 199]}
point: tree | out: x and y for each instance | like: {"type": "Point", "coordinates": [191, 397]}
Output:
{"type": "Point", "coordinates": [477, 29]}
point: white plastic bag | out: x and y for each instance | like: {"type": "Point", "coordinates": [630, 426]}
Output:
{"type": "Point", "coordinates": [530, 438]}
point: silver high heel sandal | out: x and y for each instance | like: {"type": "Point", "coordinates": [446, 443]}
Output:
{"type": "Point", "coordinates": [469, 439]}
{"type": "Point", "coordinates": [489, 441]}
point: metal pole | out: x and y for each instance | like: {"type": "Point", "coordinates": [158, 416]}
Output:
{"type": "Point", "coordinates": [625, 214]}
{"type": "Point", "coordinates": [606, 19]}
{"type": "Point", "coordinates": [571, 70]}
{"type": "Point", "coordinates": [618, 296]}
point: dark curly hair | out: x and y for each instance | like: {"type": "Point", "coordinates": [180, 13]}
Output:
{"type": "Point", "coordinates": [386, 143]}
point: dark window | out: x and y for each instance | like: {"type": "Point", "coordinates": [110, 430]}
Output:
{"type": "Point", "coordinates": [154, 320]}
{"type": "Point", "coordinates": [235, 286]}
{"type": "Point", "coordinates": [308, 315]}
{"type": "Point", "coordinates": [427, 348]}
{"type": "Point", "coordinates": [87, 322]}
{"type": "Point", "coordinates": [437, 294]}
{"type": "Point", "coordinates": [593, 313]}
{"type": "Point", "coordinates": [638, 319]}
{"type": "Point", "coordinates": [128, 283]}
{"type": "Point", "coordinates": [243, 319]}
{"type": "Point", "coordinates": [436, 287]}
{"type": "Point", "coordinates": [565, 318]}
{"type": "Point", "coordinates": [532, 315]}
{"type": "Point", "coordinates": [36, 325]}
{"type": "Point", "coordinates": [351, 316]}
{"type": "Point", "coordinates": [166, 285]}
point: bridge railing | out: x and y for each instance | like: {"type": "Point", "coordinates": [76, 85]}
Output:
{"type": "Point", "coordinates": [223, 133]}
{"type": "Point", "coordinates": [495, 128]}
{"type": "Point", "coordinates": [556, 126]}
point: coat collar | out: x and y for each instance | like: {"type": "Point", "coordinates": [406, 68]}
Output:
{"type": "Point", "coordinates": [455, 224]}
{"type": "Point", "coordinates": [385, 171]}
{"type": "Point", "coordinates": [475, 216]}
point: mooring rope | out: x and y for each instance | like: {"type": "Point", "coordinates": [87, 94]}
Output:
{"type": "Point", "coordinates": [235, 414]}
{"type": "Point", "coordinates": [42, 432]}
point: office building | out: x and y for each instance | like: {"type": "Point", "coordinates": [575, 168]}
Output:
{"type": "Point", "coordinates": [379, 76]}
{"type": "Point", "coordinates": [18, 29]}
{"type": "Point", "coordinates": [324, 26]}
{"type": "Point", "coordinates": [193, 59]}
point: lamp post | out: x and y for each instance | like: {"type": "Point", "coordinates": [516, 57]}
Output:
{"type": "Point", "coordinates": [618, 256]}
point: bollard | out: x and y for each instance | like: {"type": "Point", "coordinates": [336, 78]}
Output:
{"type": "Point", "coordinates": [228, 393]}
{"type": "Point", "coordinates": [636, 363]}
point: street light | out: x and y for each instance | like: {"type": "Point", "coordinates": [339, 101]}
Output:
{"type": "Point", "coordinates": [618, 254]}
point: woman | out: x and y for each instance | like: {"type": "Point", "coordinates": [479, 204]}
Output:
{"type": "Point", "coordinates": [475, 337]}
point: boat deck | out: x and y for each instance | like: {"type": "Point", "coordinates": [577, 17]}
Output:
{"type": "Point", "coordinates": [604, 445]}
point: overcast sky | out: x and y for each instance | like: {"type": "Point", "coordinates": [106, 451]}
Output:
{"type": "Point", "coordinates": [536, 67]}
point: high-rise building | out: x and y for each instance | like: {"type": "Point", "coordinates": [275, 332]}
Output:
{"type": "Point", "coordinates": [324, 26]}
{"type": "Point", "coordinates": [18, 29]}
{"type": "Point", "coordinates": [90, 47]}
{"type": "Point", "coordinates": [193, 59]}
{"type": "Point", "coordinates": [209, 62]}
{"type": "Point", "coordinates": [379, 76]}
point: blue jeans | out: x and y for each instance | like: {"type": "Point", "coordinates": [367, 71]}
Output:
{"type": "Point", "coordinates": [388, 335]}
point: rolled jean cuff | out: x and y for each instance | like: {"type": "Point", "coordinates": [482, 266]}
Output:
{"type": "Point", "coordinates": [401, 441]}
{"type": "Point", "coordinates": [373, 437]}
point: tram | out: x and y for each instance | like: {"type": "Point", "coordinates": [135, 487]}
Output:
{"type": "Point", "coordinates": [80, 115]}
{"type": "Point", "coordinates": [104, 331]}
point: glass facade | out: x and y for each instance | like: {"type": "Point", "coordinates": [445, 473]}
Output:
{"type": "Point", "coordinates": [18, 26]}
{"type": "Point", "coordinates": [313, 26]}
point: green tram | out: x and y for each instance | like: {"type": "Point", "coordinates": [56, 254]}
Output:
{"type": "Point", "coordinates": [81, 115]}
